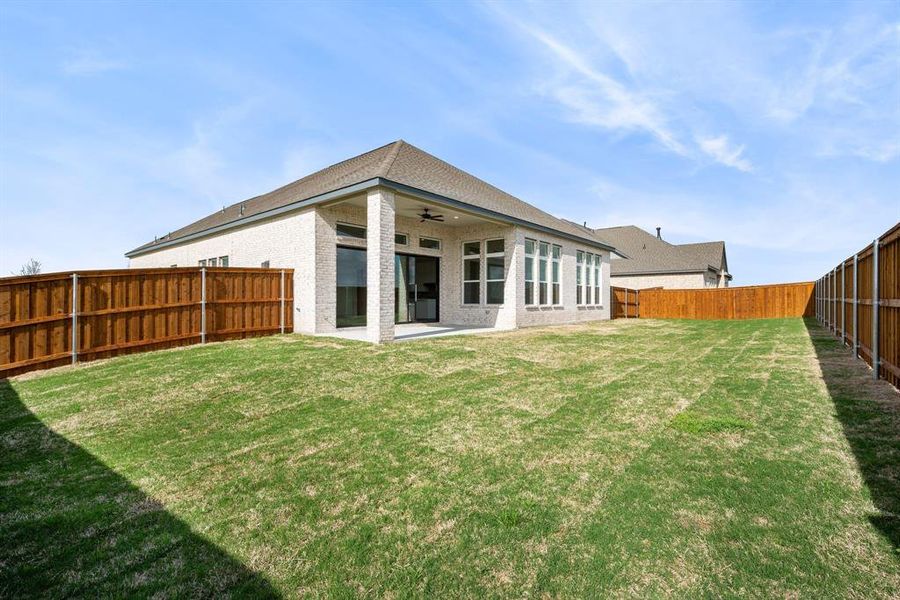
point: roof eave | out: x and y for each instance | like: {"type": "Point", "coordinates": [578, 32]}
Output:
{"type": "Point", "coordinates": [356, 188]}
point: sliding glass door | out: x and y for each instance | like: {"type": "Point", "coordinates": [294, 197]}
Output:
{"type": "Point", "coordinates": [416, 287]}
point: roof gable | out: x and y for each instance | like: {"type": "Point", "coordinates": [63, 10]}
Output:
{"type": "Point", "coordinates": [647, 253]}
{"type": "Point", "coordinates": [397, 162]}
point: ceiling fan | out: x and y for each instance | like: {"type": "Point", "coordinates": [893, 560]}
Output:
{"type": "Point", "coordinates": [427, 216]}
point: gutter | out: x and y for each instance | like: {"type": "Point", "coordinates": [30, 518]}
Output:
{"type": "Point", "coordinates": [353, 189]}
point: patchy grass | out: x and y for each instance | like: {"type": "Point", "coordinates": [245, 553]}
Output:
{"type": "Point", "coordinates": [622, 459]}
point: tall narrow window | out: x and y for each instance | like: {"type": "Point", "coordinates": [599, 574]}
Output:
{"type": "Point", "coordinates": [556, 256]}
{"type": "Point", "coordinates": [496, 270]}
{"type": "Point", "coordinates": [588, 269]}
{"type": "Point", "coordinates": [529, 271]}
{"type": "Point", "coordinates": [597, 281]}
{"type": "Point", "coordinates": [579, 277]}
{"type": "Point", "coordinates": [472, 273]}
{"type": "Point", "coordinates": [544, 255]}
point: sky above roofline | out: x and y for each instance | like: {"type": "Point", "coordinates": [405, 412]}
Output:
{"type": "Point", "coordinates": [774, 127]}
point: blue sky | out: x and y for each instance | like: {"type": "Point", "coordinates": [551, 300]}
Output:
{"type": "Point", "coordinates": [773, 126]}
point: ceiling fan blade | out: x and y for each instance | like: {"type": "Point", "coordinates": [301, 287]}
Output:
{"type": "Point", "coordinates": [439, 218]}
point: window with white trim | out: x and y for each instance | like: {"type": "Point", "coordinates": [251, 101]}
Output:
{"type": "Point", "coordinates": [543, 275]}
{"type": "Point", "coordinates": [223, 261]}
{"type": "Point", "coordinates": [429, 243]}
{"type": "Point", "coordinates": [579, 277]}
{"type": "Point", "coordinates": [495, 270]}
{"type": "Point", "coordinates": [597, 281]}
{"type": "Point", "coordinates": [211, 262]}
{"type": "Point", "coordinates": [201, 263]}
{"type": "Point", "coordinates": [588, 269]}
{"type": "Point", "coordinates": [471, 272]}
{"type": "Point", "coordinates": [401, 239]}
{"type": "Point", "coordinates": [530, 248]}
{"type": "Point", "coordinates": [555, 274]}
{"type": "Point", "coordinates": [351, 231]}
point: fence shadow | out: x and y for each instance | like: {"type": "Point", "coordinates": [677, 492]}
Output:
{"type": "Point", "coordinates": [869, 412]}
{"type": "Point", "coordinates": [73, 527]}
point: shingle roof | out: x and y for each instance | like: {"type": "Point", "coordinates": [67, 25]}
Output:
{"type": "Point", "coordinates": [398, 162]}
{"type": "Point", "coordinates": [648, 254]}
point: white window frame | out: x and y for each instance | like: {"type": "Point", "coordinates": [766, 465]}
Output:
{"type": "Point", "coordinates": [579, 277]}
{"type": "Point", "coordinates": [598, 280]}
{"type": "Point", "coordinates": [211, 262]}
{"type": "Point", "coordinates": [201, 262]}
{"type": "Point", "coordinates": [405, 237]}
{"type": "Point", "coordinates": [588, 270]}
{"type": "Point", "coordinates": [502, 280]}
{"type": "Point", "coordinates": [533, 274]}
{"type": "Point", "coordinates": [471, 257]}
{"type": "Point", "coordinates": [546, 280]}
{"type": "Point", "coordinates": [430, 239]}
{"type": "Point", "coordinates": [223, 261]}
{"type": "Point", "coordinates": [351, 237]}
{"type": "Point", "coordinates": [555, 266]}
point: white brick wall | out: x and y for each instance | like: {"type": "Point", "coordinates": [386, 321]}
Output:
{"type": "Point", "coordinates": [285, 241]}
{"type": "Point", "coordinates": [306, 242]}
{"type": "Point", "coordinates": [672, 281]}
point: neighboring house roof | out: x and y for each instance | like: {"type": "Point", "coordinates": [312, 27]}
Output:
{"type": "Point", "coordinates": [398, 164]}
{"type": "Point", "coordinates": [648, 254]}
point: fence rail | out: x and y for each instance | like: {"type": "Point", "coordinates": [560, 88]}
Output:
{"type": "Point", "coordinates": [859, 301]}
{"type": "Point", "coordinates": [60, 318]}
{"type": "Point", "coordinates": [748, 302]}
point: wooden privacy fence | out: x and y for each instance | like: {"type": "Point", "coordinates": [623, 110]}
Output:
{"type": "Point", "coordinates": [859, 300]}
{"type": "Point", "coordinates": [625, 302]}
{"type": "Point", "coordinates": [60, 318]}
{"type": "Point", "coordinates": [748, 302]}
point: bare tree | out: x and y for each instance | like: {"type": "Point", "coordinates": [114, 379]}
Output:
{"type": "Point", "coordinates": [32, 267]}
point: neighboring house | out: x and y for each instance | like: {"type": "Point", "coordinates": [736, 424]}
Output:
{"type": "Point", "coordinates": [649, 261]}
{"type": "Point", "coordinates": [396, 235]}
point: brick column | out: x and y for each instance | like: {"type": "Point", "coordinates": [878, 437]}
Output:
{"type": "Point", "coordinates": [380, 217]}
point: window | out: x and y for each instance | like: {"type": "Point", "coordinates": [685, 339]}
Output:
{"type": "Point", "coordinates": [201, 263]}
{"type": "Point", "coordinates": [588, 269]}
{"type": "Point", "coordinates": [211, 262]}
{"type": "Point", "coordinates": [429, 243]}
{"type": "Point", "coordinates": [530, 246]}
{"type": "Point", "coordinates": [597, 266]}
{"type": "Point", "coordinates": [351, 287]}
{"type": "Point", "coordinates": [543, 256]}
{"type": "Point", "coordinates": [471, 272]}
{"type": "Point", "coordinates": [265, 264]}
{"type": "Point", "coordinates": [496, 272]}
{"type": "Point", "coordinates": [172, 266]}
{"type": "Point", "coordinates": [351, 231]}
{"type": "Point", "coordinates": [555, 257]}
{"type": "Point", "coordinates": [401, 239]}
{"type": "Point", "coordinates": [579, 278]}
{"type": "Point", "coordinates": [223, 261]}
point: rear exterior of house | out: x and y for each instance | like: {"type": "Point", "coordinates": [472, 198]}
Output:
{"type": "Point", "coordinates": [647, 261]}
{"type": "Point", "coordinates": [364, 256]}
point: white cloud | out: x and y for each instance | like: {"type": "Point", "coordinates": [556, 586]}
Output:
{"type": "Point", "coordinates": [723, 152]}
{"type": "Point", "coordinates": [91, 63]}
{"type": "Point", "coordinates": [592, 96]}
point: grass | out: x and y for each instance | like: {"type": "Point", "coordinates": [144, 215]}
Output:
{"type": "Point", "coordinates": [617, 459]}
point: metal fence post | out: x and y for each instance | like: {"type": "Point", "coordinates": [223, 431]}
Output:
{"type": "Point", "coordinates": [855, 306]}
{"type": "Point", "coordinates": [875, 357]}
{"type": "Point", "coordinates": [834, 299]}
{"type": "Point", "coordinates": [281, 318]}
{"type": "Point", "coordinates": [74, 318]}
{"type": "Point", "coordinates": [203, 305]}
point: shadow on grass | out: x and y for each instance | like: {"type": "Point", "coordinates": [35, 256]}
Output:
{"type": "Point", "coordinates": [70, 526]}
{"type": "Point", "coordinates": [869, 412]}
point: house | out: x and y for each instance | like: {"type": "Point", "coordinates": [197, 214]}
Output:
{"type": "Point", "coordinates": [649, 261]}
{"type": "Point", "coordinates": [397, 235]}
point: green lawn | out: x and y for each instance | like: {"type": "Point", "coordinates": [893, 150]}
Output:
{"type": "Point", "coordinates": [625, 458]}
